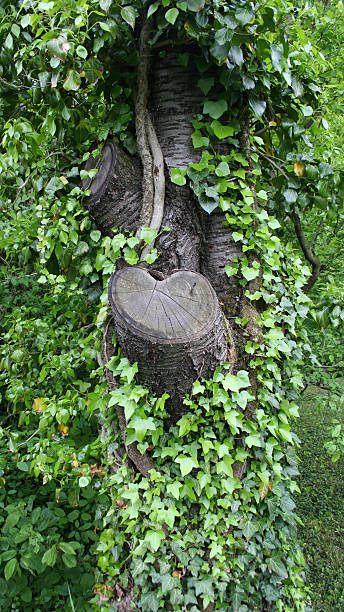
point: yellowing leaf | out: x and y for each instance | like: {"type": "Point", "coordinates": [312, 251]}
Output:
{"type": "Point", "coordinates": [39, 404]}
{"type": "Point", "coordinates": [63, 180]}
{"type": "Point", "coordinates": [272, 123]}
{"type": "Point", "coordinates": [298, 168]}
{"type": "Point", "coordinates": [63, 428]}
{"type": "Point", "coordinates": [264, 489]}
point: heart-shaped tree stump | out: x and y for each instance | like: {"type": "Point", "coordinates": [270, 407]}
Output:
{"type": "Point", "coordinates": [172, 327]}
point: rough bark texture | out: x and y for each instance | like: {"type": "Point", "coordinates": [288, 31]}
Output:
{"type": "Point", "coordinates": [173, 328]}
{"type": "Point", "coordinates": [116, 197]}
{"type": "Point", "coordinates": [175, 99]}
{"type": "Point", "coordinates": [218, 250]}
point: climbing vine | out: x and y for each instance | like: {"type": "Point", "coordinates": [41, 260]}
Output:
{"type": "Point", "coordinates": [210, 523]}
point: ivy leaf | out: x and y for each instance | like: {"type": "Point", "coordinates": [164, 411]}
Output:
{"type": "Point", "coordinates": [215, 109]}
{"type": "Point", "coordinates": [154, 539]}
{"type": "Point", "coordinates": [174, 489]}
{"type": "Point", "coordinates": [178, 176]}
{"type": "Point", "coordinates": [205, 85]}
{"type": "Point", "coordinates": [198, 140]}
{"type": "Point", "coordinates": [235, 383]}
{"type": "Point", "coordinates": [128, 13]}
{"type": "Point", "coordinates": [186, 464]}
{"type": "Point", "coordinates": [73, 81]}
{"type": "Point", "coordinates": [254, 439]}
{"type": "Point", "coordinates": [276, 565]}
{"type": "Point", "coordinates": [171, 15]}
{"type": "Point", "coordinates": [249, 273]}
{"type": "Point", "coordinates": [222, 131]}
{"type": "Point", "coordinates": [249, 529]}
{"type": "Point", "coordinates": [222, 169]}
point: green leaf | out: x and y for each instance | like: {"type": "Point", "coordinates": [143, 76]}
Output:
{"type": "Point", "coordinates": [128, 13]}
{"type": "Point", "coordinates": [153, 7]}
{"type": "Point", "coordinates": [178, 176]}
{"type": "Point", "coordinates": [67, 548]}
{"type": "Point", "coordinates": [276, 565]}
{"type": "Point", "coordinates": [50, 557]}
{"type": "Point", "coordinates": [69, 560]}
{"type": "Point", "coordinates": [258, 106]}
{"type": "Point", "coordinates": [10, 568]}
{"type": "Point", "coordinates": [222, 169]}
{"type": "Point", "coordinates": [250, 273]}
{"type": "Point", "coordinates": [249, 529]}
{"type": "Point", "coordinates": [171, 15]}
{"type": "Point", "coordinates": [205, 85]}
{"type": "Point", "coordinates": [148, 234]}
{"type": "Point", "coordinates": [290, 195]}
{"type": "Point", "coordinates": [325, 169]}
{"type": "Point", "coordinates": [105, 5]}
{"type": "Point", "coordinates": [186, 464]}
{"type": "Point", "coordinates": [81, 51]}
{"type": "Point", "coordinates": [195, 5]}
{"type": "Point", "coordinates": [276, 57]}
{"type": "Point", "coordinates": [244, 16]}
{"type": "Point", "coordinates": [254, 439]}
{"type": "Point", "coordinates": [236, 55]}
{"type": "Point", "coordinates": [84, 482]}
{"type": "Point", "coordinates": [174, 489]}
{"type": "Point", "coordinates": [235, 383]}
{"type": "Point", "coordinates": [95, 235]}
{"type": "Point", "coordinates": [198, 140]}
{"type": "Point", "coordinates": [221, 131]}
{"type": "Point", "coordinates": [154, 539]}
{"type": "Point", "coordinates": [72, 81]}
{"type": "Point", "coordinates": [215, 109]}
{"type": "Point", "coordinates": [58, 47]}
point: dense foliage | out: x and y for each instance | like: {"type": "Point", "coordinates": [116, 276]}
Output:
{"type": "Point", "coordinates": [193, 535]}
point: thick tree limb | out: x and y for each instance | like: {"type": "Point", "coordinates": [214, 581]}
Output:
{"type": "Point", "coordinates": [310, 256]}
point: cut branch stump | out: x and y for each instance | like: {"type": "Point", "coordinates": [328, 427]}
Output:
{"type": "Point", "coordinates": [172, 327]}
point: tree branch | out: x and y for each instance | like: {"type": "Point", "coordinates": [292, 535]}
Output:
{"type": "Point", "coordinates": [310, 256]}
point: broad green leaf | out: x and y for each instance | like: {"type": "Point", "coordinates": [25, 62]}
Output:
{"type": "Point", "coordinates": [174, 489]}
{"type": "Point", "coordinates": [69, 560]}
{"type": "Point", "coordinates": [222, 131]}
{"type": "Point", "coordinates": [206, 84]}
{"type": "Point", "coordinates": [276, 565]}
{"type": "Point", "coordinates": [10, 568]}
{"type": "Point", "coordinates": [290, 195]}
{"type": "Point", "coordinates": [222, 169]}
{"type": "Point", "coordinates": [195, 5]}
{"type": "Point", "coordinates": [249, 529]}
{"type": "Point", "coordinates": [258, 106]}
{"type": "Point", "coordinates": [198, 140]}
{"type": "Point", "coordinates": [171, 15]}
{"type": "Point", "coordinates": [73, 81]}
{"type": "Point", "coordinates": [128, 13]}
{"type": "Point", "coordinates": [58, 47]}
{"type": "Point", "coordinates": [67, 548]}
{"type": "Point", "coordinates": [105, 5]}
{"type": "Point", "coordinates": [178, 176]}
{"type": "Point", "coordinates": [215, 108]}
{"type": "Point", "coordinates": [236, 55]}
{"type": "Point", "coordinates": [244, 16]}
{"type": "Point", "coordinates": [50, 556]}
